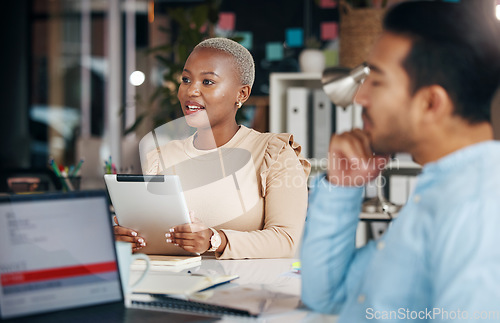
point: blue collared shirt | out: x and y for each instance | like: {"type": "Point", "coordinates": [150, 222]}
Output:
{"type": "Point", "coordinates": [438, 261]}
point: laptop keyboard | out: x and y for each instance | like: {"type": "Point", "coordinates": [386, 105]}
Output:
{"type": "Point", "coordinates": [175, 304]}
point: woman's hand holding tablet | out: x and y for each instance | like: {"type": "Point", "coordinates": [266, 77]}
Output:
{"type": "Point", "coordinates": [146, 207]}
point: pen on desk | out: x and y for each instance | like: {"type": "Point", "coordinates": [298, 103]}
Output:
{"type": "Point", "coordinates": [107, 167]}
{"type": "Point", "coordinates": [55, 168]}
{"type": "Point", "coordinates": [69, 186]}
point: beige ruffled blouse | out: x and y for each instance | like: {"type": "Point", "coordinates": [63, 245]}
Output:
{"type": "Point", "coordinates": [254, 188]}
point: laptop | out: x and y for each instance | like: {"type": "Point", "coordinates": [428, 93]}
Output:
{"type": "Point", "coordinates": [56, 252]}
{"type": "Point", "coordinates": [58, 264]}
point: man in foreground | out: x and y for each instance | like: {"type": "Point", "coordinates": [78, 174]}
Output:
{"type": "Point", "coordinates": [434, 72]}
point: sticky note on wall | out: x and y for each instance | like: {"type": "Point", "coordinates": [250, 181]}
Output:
{"type": "Point", "coordinates": [247, 39]}
{"type": "Point", "coordinates": [294, 37]}
{"type": "Point", "coordinates": [274, 51]}
{"type": "Point", "coordinates": [329, 30]}
{"type": "Point", "coordinates": [226, 21]}
{"type": "Point", "coordinates": [328, 4]}
{"type": "Point", "coordinates": [331, 57]}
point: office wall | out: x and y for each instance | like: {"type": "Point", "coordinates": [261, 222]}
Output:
{"type": "Point", "coordinates": [14, 134]}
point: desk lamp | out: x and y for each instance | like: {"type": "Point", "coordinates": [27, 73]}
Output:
{"type": "Point", "coordinates": [341, 85]}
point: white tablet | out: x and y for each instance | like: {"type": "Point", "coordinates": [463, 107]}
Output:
{"type": "Point", "coordinates": [150, 205]}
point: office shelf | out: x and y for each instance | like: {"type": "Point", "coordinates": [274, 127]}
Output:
{"type": "Point", "coordinates": [279, 82]}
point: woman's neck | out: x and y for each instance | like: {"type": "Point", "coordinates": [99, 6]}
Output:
{"type": "Point", "coordinates": [204, 139]}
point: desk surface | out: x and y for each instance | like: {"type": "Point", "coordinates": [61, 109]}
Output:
{"type": "Point", "coordinates": [268, 283]}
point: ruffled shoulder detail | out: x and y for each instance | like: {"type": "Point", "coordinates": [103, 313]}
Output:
{"type": "Point", "coordinates": [275, 146]}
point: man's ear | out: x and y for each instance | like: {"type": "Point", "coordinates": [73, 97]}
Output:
{"type": "Point", "coordinates": [244, 93]}
{"type": "Point", "coordinates": [436, 104]}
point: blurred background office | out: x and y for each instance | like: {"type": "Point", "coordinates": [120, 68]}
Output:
{"type": "Point", "coordinates": [88, 79]}
{"type": "Point", "coordinates": [78, 75]}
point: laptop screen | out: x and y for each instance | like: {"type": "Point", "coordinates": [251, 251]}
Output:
{"type": "Point", "coordinates": [56, 252]}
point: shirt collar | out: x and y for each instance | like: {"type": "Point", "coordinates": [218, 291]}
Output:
{"type": "Point", "coordinates": [461, 157]}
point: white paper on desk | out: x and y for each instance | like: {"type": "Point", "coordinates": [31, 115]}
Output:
{"type": "Point", "coordinates": [167, 263]}
{"type": "Point", "coordinates": [157, 282]}
{"type": "Point", "coordinates": [141, 266]}
{"type": "Point", "coordinates": [252, 299]}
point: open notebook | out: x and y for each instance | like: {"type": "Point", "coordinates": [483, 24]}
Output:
{"type": "Point", "coordinates": [157, 282]}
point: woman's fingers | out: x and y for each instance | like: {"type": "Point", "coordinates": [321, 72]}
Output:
{"type": "Point", "coordinates": [196, 226]}
{"type": "Point", "coordinates": [129, 235]}
{"type": "Point", "coordinates": [186, 236]}
{"type": "Point", "coordinates": [190, 241]}
{"type": "Point", "coordinates": [125, 238]}
{"type": "Point", "coordinates": [192, 237]}
{"type": "Point", "coordinates": [192, 245]}
{"type": "Point", "coordinates": [122, 231]}
{"type": "Point", "coordinates": [181, 228]}
{"type": "Point", "coordinates": [181, 238]}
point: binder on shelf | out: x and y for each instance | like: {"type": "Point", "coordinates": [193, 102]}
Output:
{"type": "Point", "coordinates": [371, 189]}
{"type": "Point", "coordinates": [412, 182]}
{"type": "Point", "coordinates": [343, 119]}
{"type": "Point", "coordinates": [398, 189]}
{"type": "Point", "coordinates": [322, 126]}
{"type": "Point", "coordinates": [357, 121]}
{"type": "Point", "coordinates": [297, 105]}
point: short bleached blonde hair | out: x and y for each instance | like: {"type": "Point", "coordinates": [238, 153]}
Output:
{"type": "Point", "coordinates": [244, 60]}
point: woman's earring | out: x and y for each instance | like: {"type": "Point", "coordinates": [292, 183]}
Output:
{"type": "Point", "coordinates": [239, 104]}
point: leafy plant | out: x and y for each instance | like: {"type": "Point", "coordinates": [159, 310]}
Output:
{"type": "Point", "coordinates": [312, 42]}
{"type": "Point", "coordinates": [190, 24]}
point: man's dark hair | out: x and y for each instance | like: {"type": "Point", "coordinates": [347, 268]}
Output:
{"type": "Point", "coordinates": [454, 45]}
